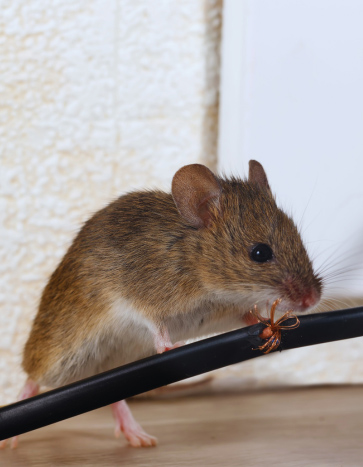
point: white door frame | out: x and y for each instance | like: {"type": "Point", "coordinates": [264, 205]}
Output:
{"type": "Point", "coordinates": [231, 116]}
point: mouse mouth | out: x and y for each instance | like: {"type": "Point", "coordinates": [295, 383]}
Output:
{"type": "Point", "coordinates": [299, 297]}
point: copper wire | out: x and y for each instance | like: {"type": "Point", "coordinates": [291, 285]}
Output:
{"type": "Point", "coordinates": [273, 329]}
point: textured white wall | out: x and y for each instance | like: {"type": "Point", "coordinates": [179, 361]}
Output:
{"type": "Point", "coordinates": [96, 97]}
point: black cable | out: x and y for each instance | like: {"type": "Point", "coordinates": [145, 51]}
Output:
{"type": "Point", "coordinates": [175, 365]}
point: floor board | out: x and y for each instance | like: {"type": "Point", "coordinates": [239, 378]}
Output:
{"type": "Point", "coordinates": [300, 427]}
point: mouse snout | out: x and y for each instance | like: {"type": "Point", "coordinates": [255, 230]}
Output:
{"type": "Point", "coordinates": [301, 297]}
{"type": "Point", "coordinates": [310, 299]}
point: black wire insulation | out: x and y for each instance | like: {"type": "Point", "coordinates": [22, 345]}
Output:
{"type": "Point", "coordinates": [174, 365]}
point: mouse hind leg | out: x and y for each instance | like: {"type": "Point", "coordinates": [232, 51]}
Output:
{"type": "Point", "coordinates": [125, 421]}
{"type": "Point", "coordinates": [132, 430]}
{"type": "Point", "coordinates": [30, 389]}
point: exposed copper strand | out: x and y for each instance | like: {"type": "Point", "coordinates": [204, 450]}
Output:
{"type": "Point", "coordinates": [273, 341]}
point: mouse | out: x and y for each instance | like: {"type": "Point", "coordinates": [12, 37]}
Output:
{"type": "Point", "coordinates": [153, 269]}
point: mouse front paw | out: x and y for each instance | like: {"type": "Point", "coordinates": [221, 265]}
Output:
{"type": "Point", "coordinates": [163, 342]}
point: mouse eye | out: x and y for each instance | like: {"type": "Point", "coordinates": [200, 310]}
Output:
{"type": "Point", "coordinates": [261, 253]}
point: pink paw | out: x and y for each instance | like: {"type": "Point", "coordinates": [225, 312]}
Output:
{"type": "Point", "coordinates": [250, 319]}
{"type": "Point", "coordinates": [30, 389]}
{"type": "Point", "coordinates": [162, 341]}
{"type": "Point", "coordinates": [137, 437]}
{"type": "Point", "coordinates": [13, 443]}
{"type": "Point", "coordinates": [168, 346]}
{"type": "Point", "coordinates": [126, 423]}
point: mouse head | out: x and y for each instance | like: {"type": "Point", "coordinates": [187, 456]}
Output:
{"type": "Point", "coordinates": [245, 248]}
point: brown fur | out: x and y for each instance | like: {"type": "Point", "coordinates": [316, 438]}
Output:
{"type": "Point", "coordinates": [191, 271]}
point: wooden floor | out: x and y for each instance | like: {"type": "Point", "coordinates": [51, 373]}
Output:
{"type": "Point", "coordinates": [301, 427]}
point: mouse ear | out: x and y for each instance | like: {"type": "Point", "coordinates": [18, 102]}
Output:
{"type": "Point", "coordinates": [194, 188]}
{"type": "Point", "coordinates": [258, 175]}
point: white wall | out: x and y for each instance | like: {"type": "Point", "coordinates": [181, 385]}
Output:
{"type": "Point", "coordinates": [292, 98]}
{"type": "Point", "coordinates": [292, 75]}
{"type": "Point", "coordinates": [97, 97]}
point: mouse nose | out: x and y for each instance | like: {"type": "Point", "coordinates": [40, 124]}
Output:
{"type": "Point", "coordinates": [301, 296]}
{"type": "Point", "coordinates": [310, 299]}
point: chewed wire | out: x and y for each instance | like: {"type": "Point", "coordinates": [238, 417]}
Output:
{"type": "Point", "coordinates": [273, 328]}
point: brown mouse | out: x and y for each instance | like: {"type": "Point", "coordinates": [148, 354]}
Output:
{"type": "Point", "coordinates": [152, 269]}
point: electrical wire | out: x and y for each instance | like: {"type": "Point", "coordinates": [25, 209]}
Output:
{"type": "Point", "coordinates": [175, 365]}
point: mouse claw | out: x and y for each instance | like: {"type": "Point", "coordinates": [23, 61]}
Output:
{"type": "Point", "coordinates": [13, 443]}
{"type": "Point", "coordinates": [140, 438]}
{"type": "Point", "coordinates": [3, 443]}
